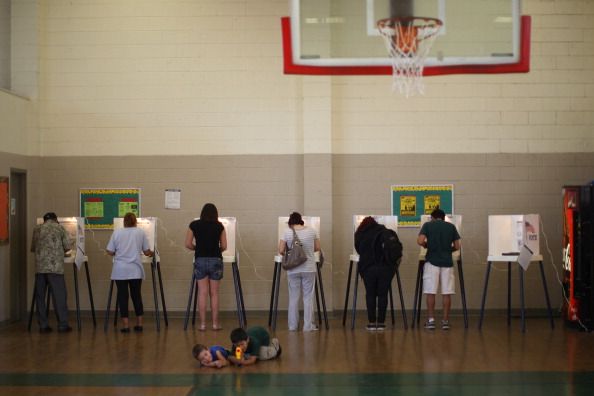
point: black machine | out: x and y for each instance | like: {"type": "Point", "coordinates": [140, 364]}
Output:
{"type": "Point", "coordinates": [578, 254]}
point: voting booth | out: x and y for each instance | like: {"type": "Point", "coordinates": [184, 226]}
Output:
{"type": "Point", "coordinates": [456, 220]}
{"type": "Point", "coordinates": [149, 226]}
{"type": "Point", "coordinates": [514, 239]}
{"type": "Point", "coordinates": [231, 256]}
{"type": "Point", "coordinates": [391, 222]}
{"type": "Point", "coordinates": [282, 226]}
{"type": "Point", "coordinates": [75, 229]}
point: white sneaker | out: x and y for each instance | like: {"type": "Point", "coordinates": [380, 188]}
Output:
{"type": "Point", "coordinates": [430, 325]}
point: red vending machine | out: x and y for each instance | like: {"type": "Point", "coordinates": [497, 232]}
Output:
{"type": "Point", "coordinates": [578, 255]}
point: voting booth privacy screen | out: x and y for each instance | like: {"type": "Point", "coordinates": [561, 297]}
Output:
{"type": "Point", "coordinates": [509, 233]}
{"type": "Point", "coordinates": [148, 225]}
{"type": "Point", "coordinates": [390, 222]}
{"type": "Point", "coordinates": [75, 229]}
{"type": "Point", "coordinates": [230, 224]}
{"type": "Point", "coordinates": [454, 219]}
{"type": "Point", "coordinates": [309, 221]}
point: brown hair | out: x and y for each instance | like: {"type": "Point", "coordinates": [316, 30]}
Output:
{"type": "Point", "coordinates": [197, 349]}
{"type": "Point", "coordinates": [130, 220]}
{"type": "Point", "coordinates": [295, 218]}
{"type": "Point", "coordinates": [366, 222]}
{"type": "Point", "coordinates": [209, 213]}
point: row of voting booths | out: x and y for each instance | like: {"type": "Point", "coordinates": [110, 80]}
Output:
{"type": "Point", "coordinates": [513, 239]}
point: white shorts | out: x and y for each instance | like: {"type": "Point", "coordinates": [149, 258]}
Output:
{"type": "Point", "coordinates": [433, 276]}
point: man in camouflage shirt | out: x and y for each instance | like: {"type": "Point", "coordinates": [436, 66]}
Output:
{"type": "Point", "coordinates": [49, 244]}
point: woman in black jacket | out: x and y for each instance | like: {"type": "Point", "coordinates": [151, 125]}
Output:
{"type": "Point", "coordinates": [377, 275]}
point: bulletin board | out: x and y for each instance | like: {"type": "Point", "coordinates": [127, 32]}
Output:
{"type": "Point", "coordinates": [410, 202]}
{"type": "Point", "coordinates": [99, 206]}
{"type": "Point", "coordinates": [3, 209]}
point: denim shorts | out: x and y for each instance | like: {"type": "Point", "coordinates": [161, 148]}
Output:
{"type": "Point", "coordinates": [208, 267]}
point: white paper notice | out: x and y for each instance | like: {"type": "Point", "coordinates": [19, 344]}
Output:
{"type": "Point", "coordinates": [525, 257]}
{"type": "Point", "coordinates": [172, 199]}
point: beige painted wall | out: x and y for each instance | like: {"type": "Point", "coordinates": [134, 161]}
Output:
{"type": "Point", "coordinates": [208, 75]}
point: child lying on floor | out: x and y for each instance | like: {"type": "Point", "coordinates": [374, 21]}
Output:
{"type": "Point", "coordinates": [215, 356]}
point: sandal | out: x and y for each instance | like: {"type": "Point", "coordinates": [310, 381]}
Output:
{"type": "Point", "coordinates": [217, 327]}
{"type": "Point", "coordinates": [202, 327]}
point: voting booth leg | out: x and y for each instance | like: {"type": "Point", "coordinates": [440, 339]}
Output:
{"type": "Point", "coordinates": [33, 304]}
{"type": "Point", "coordinates": [241, 301]}
{"type": "Point", "coordinates": [109, 293]}
{"type": "Point", "coordinates": [522, 304]}
{"type": "Point", "coordinates": [238, 296]}
{"type": "Point", "coordinates": [116, 312]}
{"type": "Point", "coordinates": [323, 298]}
{"type": "Point", "coordinates": [509, 294]}
{"type": "Point", "coordinates": [463, 293]}
{"type": "Point", "coordinates": [346, 296]}
{"type": "Point", "coordinates": [77, 296]}
{"type": "Point", "coordinates": [391, 305]}
{"type": "Point", "coordinates": [401, 300]}
{"type": "Point", "coordinates": [546, 291]}
{"type": "Point", "coordinates": [317, 294]}
{"type": "Point", "coordinates": [418, 296]}
{"type": "Point", "coordinates": [90, 294]}
{"type": "Point", "coordinates": [32, 311]}
{"type": "Point", "coordinates": [276, 268]}
{"type": "Point", "coordinates": [355, 287]}
{"type": "Point", "coordinates": [484, 295]}
{"type": "Point", "coordinates": [276, 291]}
{"type": "Point", "coordinates": [155, 297]}
{"type": "Point", "coordinates": [195, 302]}
{"type": "Point", "coordinates": [189, 306]}
{"type": "Point", "coordinates": [162, 294]}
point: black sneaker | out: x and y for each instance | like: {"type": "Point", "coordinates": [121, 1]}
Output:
{"type": "Point", "coordinates": [138, 329]}
{"type": "Point", "coordinates": [371, 327]}
{"type": "Point", "coordinates": [430, 325]}
{"type": "Point", "coordinates": [44, 330]}
{"type": "Point", "coordinates": [125, 330]}
{"type": "Point", "coordinates": [66, 329]}
{"type": "Point", "coordinates": [445, 324]}
{"type": "Point", "coordinates": [380, 327]}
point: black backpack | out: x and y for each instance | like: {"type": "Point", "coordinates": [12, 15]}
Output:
{"type": "Point", "coordinates": [386, 241]}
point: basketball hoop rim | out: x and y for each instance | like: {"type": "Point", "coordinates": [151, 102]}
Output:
{"type": "Point", "coordinates": [391, 22]}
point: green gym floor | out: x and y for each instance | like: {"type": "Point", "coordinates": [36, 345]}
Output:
{"type": "Point", "coordinates": [499, 360]}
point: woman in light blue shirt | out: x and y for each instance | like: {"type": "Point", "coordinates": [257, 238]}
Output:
{"type": "Point", "coordinates": [125, 246]}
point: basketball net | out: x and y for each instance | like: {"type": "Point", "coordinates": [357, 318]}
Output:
{"type": "Point", "coordinates": [408, 41]}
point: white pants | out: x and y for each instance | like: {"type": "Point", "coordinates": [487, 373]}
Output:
{"type": "Point", "coordinates": [305, 281]}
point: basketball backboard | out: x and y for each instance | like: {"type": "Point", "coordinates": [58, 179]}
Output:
{"type": "Point", "coordinates": [341, 36]}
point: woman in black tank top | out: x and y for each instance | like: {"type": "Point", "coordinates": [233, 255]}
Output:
{"type": "Point", "coordinates": [207, 238]}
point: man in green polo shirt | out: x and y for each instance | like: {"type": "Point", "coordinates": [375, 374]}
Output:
{"type": "Point", "coordinates": [440, 238]}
